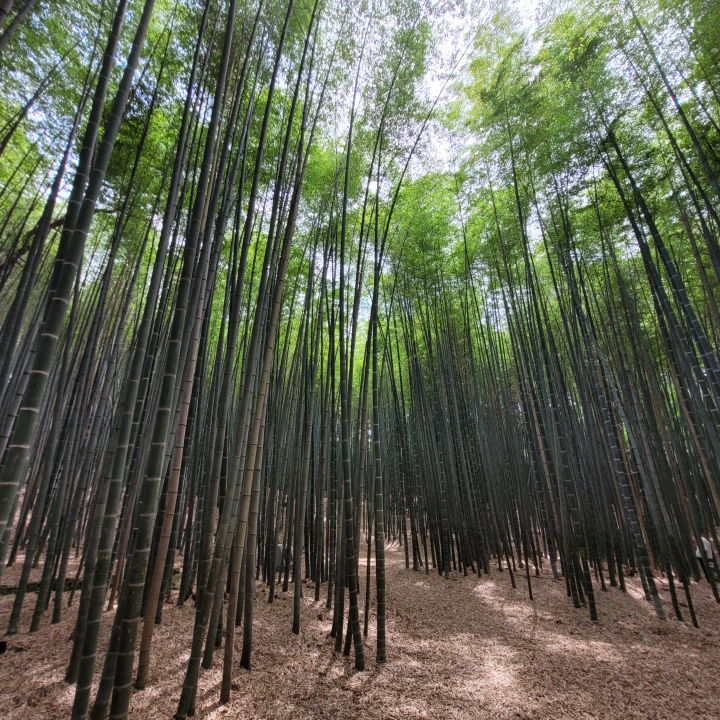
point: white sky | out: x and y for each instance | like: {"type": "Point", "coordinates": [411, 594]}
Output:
{"type": "Point", "coordinates": [455, 34]}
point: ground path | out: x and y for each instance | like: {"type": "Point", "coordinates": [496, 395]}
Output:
{"type": "Point", "coordinates": [462, 648]}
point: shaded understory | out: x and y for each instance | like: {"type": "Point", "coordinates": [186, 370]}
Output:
{"type": "Point", "coordinates": [463, 648]}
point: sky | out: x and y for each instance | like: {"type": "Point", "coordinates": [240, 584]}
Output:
{"type": "Point", "coordinates": [455, 34]}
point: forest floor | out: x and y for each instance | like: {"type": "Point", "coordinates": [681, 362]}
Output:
{"type": "Point", "coordinates": [463, 648]}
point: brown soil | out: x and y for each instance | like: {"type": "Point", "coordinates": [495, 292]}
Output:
{"type": "Point", "coordinates": [463, 648]}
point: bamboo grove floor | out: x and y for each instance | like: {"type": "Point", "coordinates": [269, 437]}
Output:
{"type": "Point", "coordinates": [463, 648]}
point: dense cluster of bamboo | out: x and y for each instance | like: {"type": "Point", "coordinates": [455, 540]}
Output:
{"type": "Point", "coordinates": [148, 417]}
{"type": "Point", "coordinates": [253, 374]}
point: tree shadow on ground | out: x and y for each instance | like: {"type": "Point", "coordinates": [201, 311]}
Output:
{"type": "Point", "coordinates": [466, 647]}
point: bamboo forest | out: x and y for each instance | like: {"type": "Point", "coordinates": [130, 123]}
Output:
{"type": "Point", "coordinates": [359, 359]}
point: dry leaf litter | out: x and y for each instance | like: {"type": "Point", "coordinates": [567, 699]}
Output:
{"type": "Point", "coordinates": [466, 647]}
